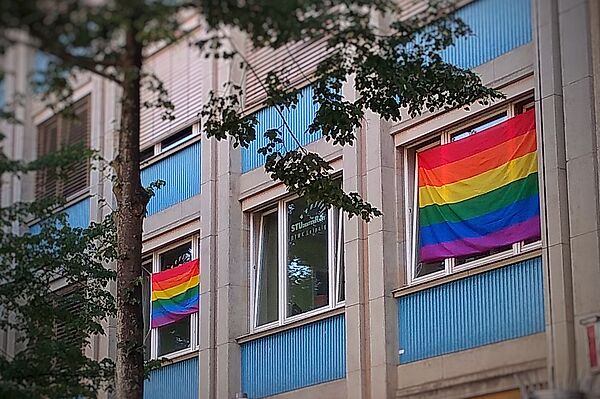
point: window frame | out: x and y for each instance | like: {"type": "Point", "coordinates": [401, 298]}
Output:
{"type": "Point", "coordinates": [194, 317]}
{"type": "Point", "coordinates": [444, 136]}
{"type": "Point", "coordinates": [158, 148]}
{"type": "Point", "coordinates": [334, 260]}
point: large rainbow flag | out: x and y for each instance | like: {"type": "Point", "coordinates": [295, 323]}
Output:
{"type": "Point", "coordinates": [479, 193]}
{"type": "Point", "coordinates": [175, 293]}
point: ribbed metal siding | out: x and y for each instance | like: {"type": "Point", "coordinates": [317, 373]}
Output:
{"type": "Point", "coordinates": [79, 213]}
{"type": "Point", "coordinates": [482, 309]}
{"type": "Point", "coordinates": [296, 358]}
{"type": "Point", "coordinates": [268, 118]}
{"type": "Point", "coordinates": [178, 380]}
{"type": "Point", "coordinates": [181, 173]}
{"type": "Point", "coordinates": [498, 26]}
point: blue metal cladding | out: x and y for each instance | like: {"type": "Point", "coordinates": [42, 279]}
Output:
{"type": "Point", "coordinates": [181, 173]}
{"type": "Point", "coordinates": [79, 213]}
{"type": "Point", "coordinates": [178, 380]}
{"type": "Point", "coordinates": [498, 27]}
{"type": "Point", "coordinates": [478, 310]}
{"type": "Point", "coordinates": [296, 358]}
{"type": "Point", "coordinates": [298, 120]}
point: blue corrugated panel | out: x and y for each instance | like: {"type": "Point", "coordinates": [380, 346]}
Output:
{"type": "Point", "coordinates": [482, 309]}
{"type": "Point", "coordinates": [296, 358]}
{"type": "Point", "coordinates": [498, 26]}
{"type": "Point", "coordinates": [79, 213]}
{"type": "Point", "coordinates": [181, 173]}
{"type": "Point", "coordinates": [178, 380]}
{"type": "Point", "coordinates": [298, 120]}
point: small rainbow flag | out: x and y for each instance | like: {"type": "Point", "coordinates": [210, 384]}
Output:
{"type": "Point", "coordinates": [481, 192]}
{"type": "Point", "coordinates": [175, 293]}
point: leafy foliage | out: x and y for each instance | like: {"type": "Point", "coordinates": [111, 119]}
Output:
{"type": "Point", "coordinates": [53, 325]}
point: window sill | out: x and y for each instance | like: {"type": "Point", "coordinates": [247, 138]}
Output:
{"type": "Point", "coordinates": [340, 309]}
{"type": "Point", "coordinates": [423, 285]}
{"type": "Point", "coordinates": [178, 356]}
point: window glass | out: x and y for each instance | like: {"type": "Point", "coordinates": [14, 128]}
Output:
{"type": "Point", "coordinates": [176, 256]}
{"type": "Point", "coordinates": [268, 281]}
{"type": "Point", "coordinates": [479, 127]}
{"type": "Point", "coordinates": [146, 154]}
{"type": "Point", "coordinates": [174, 337]}
{"type": "Point", "coordinates": [339, 256]}
{"type": "Point", "coordinates": [176, 139]}
{"type": "Point", "coordinates": [307, 256]}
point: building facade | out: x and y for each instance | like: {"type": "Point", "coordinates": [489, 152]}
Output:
{"type": "Point", "coordinates": [367, 320]}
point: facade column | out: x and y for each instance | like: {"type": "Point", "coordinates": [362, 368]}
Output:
{"type": "Point", "coordinates": [357, 329]}
{"type": "Point", "coordinates": [208, 255]}
{"type": "Point", "coordinates": [382, 257]}
{"type": "Point", "coordinates": [556, 251]}
{"type": "Point", "coordinates": [567, 130]}
{"type": "Point", "coordinates": [581, 148]}
{"type": "Point", "coordinates": [224, 312]}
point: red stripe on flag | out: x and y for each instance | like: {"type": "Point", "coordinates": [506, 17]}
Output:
{"type": "Point", "coordinates": [178, 274]}
{"type": "Point", "coordinates": [486, 139]}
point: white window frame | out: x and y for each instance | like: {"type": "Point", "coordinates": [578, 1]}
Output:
{"type": "Point", "coordinates": [194, 317]}
{"type": "Point", "coordinates": [159, 149]}
{"type": "Point", "coordinates": [411, 194]}
{"type": "Point", "coordinates": [335, 237]}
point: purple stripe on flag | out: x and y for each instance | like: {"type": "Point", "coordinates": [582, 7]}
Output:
{"type": "Point", "coordinates": [518, 232]}
{"type": "Point", "coordinates": [169, 318]}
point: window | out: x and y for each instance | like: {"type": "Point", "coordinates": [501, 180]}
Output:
{"type": "Point", "coordinates": [170, 142]}
{"type": "Point", "coordinates": [181, 336]}
{"type": "Point", "coordinates": [297, 261]}
{"type": "Point", "coordinates": [58, 132]}
{"type": "Point", "coordinates": [420, 270]}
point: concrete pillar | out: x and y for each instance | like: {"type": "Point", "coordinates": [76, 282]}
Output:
{"type": "Point", "coordinates": [382, 257]}
{"type": "Point", "coordinates": [357, 330]}
{"type": "Point", "coordinates": [208, 262]}
{"type": "Point", "coordinates": [232, 286]}
{"type": "Point", "coordinates": [224, 286]}
{"type": "Point", "coordinates": [554, 196]}
{"type": "Point", "coordinates": [567, 129]}
{"type": "Point", "coordinates": [581, 148]}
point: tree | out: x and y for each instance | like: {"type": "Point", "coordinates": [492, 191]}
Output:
{"type": "Point", "coordinates": [395, 65]}
{"type": "Point", "coordinates": [53, 327]}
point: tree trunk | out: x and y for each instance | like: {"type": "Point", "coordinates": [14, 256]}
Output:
{"type": "Point", "coordinates": [131, 205]}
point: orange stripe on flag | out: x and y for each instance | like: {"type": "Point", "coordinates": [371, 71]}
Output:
{"type": "Point", "coordinates": [479, 163]}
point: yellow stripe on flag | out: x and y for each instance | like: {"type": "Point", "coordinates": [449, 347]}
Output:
{"type": "Point", "coordinates": [480, 184]}
{"type": "Point", "coordinates": [174, 291]}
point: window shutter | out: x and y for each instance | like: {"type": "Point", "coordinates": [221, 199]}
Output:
{"type": "Point", "coordinates": [46, 180]}
{"type": "Point", "coordinates": [71, 303]}
{"type": "Point", "coordinates": [297, 60]}
{"type": "Point", "coordinates": [57, 132]}
{"type": "Point", "coordinates": [77, 132]}
{"type": "Point", "coordinates": [180, 67]}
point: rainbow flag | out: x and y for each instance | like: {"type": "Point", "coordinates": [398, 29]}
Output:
{"type": "Point", "coordinates": [175, 293]}
{"type": "Point", "coordinates": [479, 193]}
